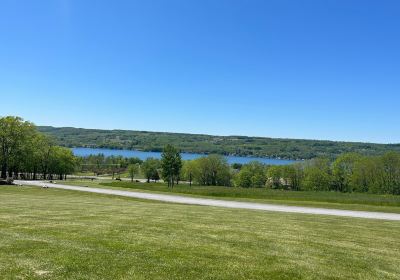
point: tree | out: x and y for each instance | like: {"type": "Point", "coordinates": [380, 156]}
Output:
{"type": "Point", "coordinates": [44, 149]}
{"type": "Point", "coordinates": [366, 175]}
{"type": "Point", "coordinates": [292, 176]}
{"type": "Point", "coordinates": [62, 162]}
{"type": "Point", "coordinates": [317, 175]}
{"type": "Point", "coordinates": [188, 170]}
{"type": "Point", "coordinates": [297, 176]}
{"type": "Point", "coordinates": [390, 163]}
{"type": "Point", "coordinates": [377, 174]}
{"type": "Point", "coordinates": [40, 146]}
{"type": "Point", "coordinates": [150, 169]}
{"type": "Point", "coordinates": [342, 171]}
{"type": "Point", "coordinates": [251, 175]}
{"type": "Point", "coordinates": [244, 178]}
{"type": "Point", "coordinates": [237, 166]}
{"type": "Point", "coordinates": [14, 134]}
{"type": "Point", "coordinates": [171, 164]}
{"type": "Point", "coordinates": [30, 154]}
{"type": "Point", "coordinates": [274, 175]}
{"type": "Point", "coordinates": [133, 170]}
{"type": "Point", "coordinates": [258, 171]}
{"type": "Point", "coordinates": [134, 160]}
{"type": "Point", "coordinates": [218, 171]}
{"type": "Point", "coordinates": [212, 170]}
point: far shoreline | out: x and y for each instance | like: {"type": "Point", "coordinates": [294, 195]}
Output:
{"type": "Point", "coordinates": [143, 154]}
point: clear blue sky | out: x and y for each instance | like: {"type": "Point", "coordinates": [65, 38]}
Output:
{"type": "Point", "coordinates": [293, 69]}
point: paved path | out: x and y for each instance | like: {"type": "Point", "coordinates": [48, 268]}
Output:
{"type": "Point", "coordinates": [108, 178]}
{"type": "Point", "coordinates": [223, 203]}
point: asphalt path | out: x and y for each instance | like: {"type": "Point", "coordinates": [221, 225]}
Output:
{"type": "Point", "coordinates": [220, 203]}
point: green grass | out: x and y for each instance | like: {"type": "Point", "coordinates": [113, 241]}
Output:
{"type": "Point", "coordinates": [350, 201]}
{"type": "Point", "coordinates": [116, 175]}
{"type": "Point", "coordinates": [59, 234]}
{"type": "Point", "coordinates": [84, 174]}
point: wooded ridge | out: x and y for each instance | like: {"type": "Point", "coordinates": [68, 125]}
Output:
{"type": "Point", "coordinates": [208, 144]}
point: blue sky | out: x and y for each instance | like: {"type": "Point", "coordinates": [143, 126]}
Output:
{"type": "Point", "coordinates": [291, 69]}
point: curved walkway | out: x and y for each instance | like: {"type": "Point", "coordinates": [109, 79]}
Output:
{"type": "Point", "coordinates": [222, 203]}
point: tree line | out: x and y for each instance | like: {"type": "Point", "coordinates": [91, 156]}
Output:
{"type": "Point", "coordinates": [212, 170]}
{"type": "Point", "coordinates": [100, 164]}
{"type": "Point", "coordinates": [350, 172]}
{"type": "Point", "coordinates": [28, 154]}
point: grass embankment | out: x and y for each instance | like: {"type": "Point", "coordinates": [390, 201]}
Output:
{"type": "Point", "coordinates": [58, 234]}
{"type": "Point", "coordinates": [350, 201]}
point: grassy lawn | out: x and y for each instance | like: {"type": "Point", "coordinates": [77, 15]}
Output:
{"type": "Point", "coordinates": [349, 201]}
{"type": "Point", "coordinates": [59, 234]}
{"type": "Point", "coordinates": [116, 175]}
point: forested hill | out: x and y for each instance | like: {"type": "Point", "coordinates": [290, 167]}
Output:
{"type": "Point", "coordinates": [197, 143]}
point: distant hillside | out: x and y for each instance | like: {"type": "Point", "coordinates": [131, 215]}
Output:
{"type": "Point", "coordinates": [197, 143]}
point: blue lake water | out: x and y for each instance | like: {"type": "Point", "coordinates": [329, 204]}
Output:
{"type": "Point", "coordinates": [186, 156]}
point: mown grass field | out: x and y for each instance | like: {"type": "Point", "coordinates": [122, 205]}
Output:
{"type": "Point", "coordinates": [334, 200]}
{"type": "Point", "coordinates": [59, 234]}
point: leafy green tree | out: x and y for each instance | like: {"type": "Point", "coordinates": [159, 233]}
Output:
{"type": "Point", "coordinates": [212, 170]}
{"type": "Point", "coordinates": [316, 180]}
{"type": "Point", "coordinates": [219, 171]}
{"type": "Point", "coordinates": [150, 169]}
{"type": "Point", "coordinates": [292, 176]}
{"type": "Point", "coordinates": [391, 173]}
{"type": "Point", "coordinates": [43, 151]}
{"type": "Point", "coordinates": [202, 172]}
{"type": "Point", "coordinates": [237, 166]}
{"type": "Point", "coordinates": [134, 160]}
{"type": "Point", "coordinates": [342, 170]}
{"type": "Point", "coordinates": [188, 170]}
{"type": "Point", "coordinates": [252, 174]}
{"type": "Point", "coordinates": [317, 175]}
{"type": "Point", "coordinates": [133, 170]}
{"type": "Point", "coordinates": [366, 175]}
{"type": "Point", "coordinates": [274, 174]}
{"type": "Point", "coordinates": [14, 134]}
{"type": "Point", "coordinates": [62, 162]}
{"type": "Point", "coordinates": [39, 154]}
{"type": "Point", "coordinates": [258, 171]}
{"type": "Point", "coordinates": [377, 174]}
{"type": "Point", "coordinates": [244, 178]}
{"type": "Point", "coordinates": [171, 164]}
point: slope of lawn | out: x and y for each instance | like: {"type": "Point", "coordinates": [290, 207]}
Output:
{"type": "Point", "coordinates": [349, 201]}
{"type": "Point", "coordinates": [59, 234]}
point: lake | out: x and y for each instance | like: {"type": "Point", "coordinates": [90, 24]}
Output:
{"type": "Point", "coordinates": [186, 156]}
